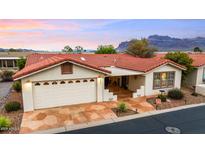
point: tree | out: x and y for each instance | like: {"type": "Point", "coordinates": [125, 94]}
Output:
{"type": "Point", "coordinates": [106, 49]}
{"type": "Point", "coordinates": [197, 49]}
{"type": "Point", "coordinates": [21, 63]}
{"type": "Point", "coordinates": [67, 49]}
{"type": "Point", "coordinates": [140, 48]}
{"type": "Point", "coordinates": [182, 59]}
{"type": "Point", "coordinates": [78, 49]}
{"type": "Point", "coordinates": [13, 50]}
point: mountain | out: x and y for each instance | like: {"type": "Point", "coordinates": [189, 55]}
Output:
{"type": "Point", "coordinates": [20, 50]}
{"type": "Point", "coordinates": [167, 43]}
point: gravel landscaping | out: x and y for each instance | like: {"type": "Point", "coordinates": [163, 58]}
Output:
{"type": "Point", "coordinates": [126, 113]}
{"type": "Point", "coordinates": [15, 116]}
{"type": "Point", "coordinates": [188, 99]}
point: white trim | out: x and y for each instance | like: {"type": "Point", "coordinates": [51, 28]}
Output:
{"type": "Point", "coordinates": [117, 71]}
{"type": "Point", "coordinates": [9, 58]}
{"type": "Point", "coordinates": [178, 67]}
{"type": "Point", "coordinates": [58, 65]}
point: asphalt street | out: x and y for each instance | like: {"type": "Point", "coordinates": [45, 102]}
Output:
{"type": "Point", "coordinates": [188, 121]}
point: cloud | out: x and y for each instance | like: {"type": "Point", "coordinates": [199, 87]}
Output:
{"type": "Point", "coordinates": [9, 34]}
{"type": "Point", "coordinates": [25, 24]}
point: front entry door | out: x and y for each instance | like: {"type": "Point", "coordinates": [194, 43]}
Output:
{"type": "Point", "coordinates": [124, 82]}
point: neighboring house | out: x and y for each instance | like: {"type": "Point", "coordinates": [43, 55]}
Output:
{"type": "Point", "coordinates": [8, 60]}
{"type": "Point", "coordinates": [197, 77]}
{"type": "Point", "coordinates": [52, 80]}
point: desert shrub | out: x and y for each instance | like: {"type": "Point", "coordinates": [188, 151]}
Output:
{"type": "Point", "coordinates": [122, 107]}
{"type": "Point", "coordinates": [5, 123]}
{"type": "Point", "coordinates": [17, 86]}
{"type": "Point", "coordinates": [175, 94]}
{"type": "Point", "coordinates": [162, 97]}
{"type": "Point", "coordinates": [12, 106]}
{"type": "Point", "coordinates": [7, 75]}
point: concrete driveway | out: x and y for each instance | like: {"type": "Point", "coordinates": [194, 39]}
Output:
{"type": "Point", "coordinates": [4, 89]}
{"type": "Point", "coordinates": [188, 121]}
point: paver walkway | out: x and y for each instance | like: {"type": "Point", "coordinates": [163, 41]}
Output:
{"type": "Point", "coordinates": [76, 114]}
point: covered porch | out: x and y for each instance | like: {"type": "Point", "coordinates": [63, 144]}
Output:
{"type": "Point", "coordinates": [123, 84]}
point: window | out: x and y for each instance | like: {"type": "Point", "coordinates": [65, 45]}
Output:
{"type": "Point", "coordinates": [62, 82]}
{"type": "Point", "coordinates": [37, 84]}
{"type": "Point", "coordinates": [45, 83]}
{"type": "Point", "coordinates": [203, 77]}
{"type": "Point", "coordinates": [70, 81]}
{"type": "Point", "coordinates": [163, 80]}
{"type": "Point", "coordinates": [77, 81]}
{"type": "Point", "coordinates": [92, 80]}
{"type": "Point", "coordinates": [67, 68]}
{"type": "Point", "coordinates": [4, 63]}
{"type": "Point", "coordinates": [10, 63]}
{"type": "Point", "coordinates": [53, 83]}
{"type": "Point", "coordinates": [1, 63]}
{"type": "Point", "coordinates": [85, 80]}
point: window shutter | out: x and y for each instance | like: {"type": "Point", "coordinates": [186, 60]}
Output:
{"type": "Point", "coordinates": [67, 68]}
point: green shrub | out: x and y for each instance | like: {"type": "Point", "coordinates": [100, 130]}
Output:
{"type": "Point", "coordinates": [175, 94]}
{"type": "Point", "coordinates": [21, 63]}
{"type": "Point", "coordinates": [5, 123]}
{"type": "Point", "coordinates": [7, 75]}
{"type": "Point", "coordinates": [12, 106]}
{"type": "Point", "coordinates": [162, 97]}
{"type": "Point", "coordinates": [122, 107]}
{"type": "Point", "coordinates": [17, 86]}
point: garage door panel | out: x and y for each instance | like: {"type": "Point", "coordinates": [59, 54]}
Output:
{"type": "Point", "coordinates": [64, 94]}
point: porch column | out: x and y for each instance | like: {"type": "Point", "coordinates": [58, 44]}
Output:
{"type": "Point", "coordinates": [6, 63]}
{"type": "Point", "coordinates": [27, 92]}
{"type": "Point", "coordinates": [100, 89]}
{"type": "Point", "coordinates": [13, 63]}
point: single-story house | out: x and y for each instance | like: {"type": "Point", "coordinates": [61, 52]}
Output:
{"type": "Point", "coordinates": [8, 60]}
{"type": "Point", "coordinates": [197, 77]}
{"type": "Point", "coordinates": [52, 80]}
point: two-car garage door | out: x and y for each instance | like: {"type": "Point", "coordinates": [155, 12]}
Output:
{"type": "Point", "coordinates": [65, 92]}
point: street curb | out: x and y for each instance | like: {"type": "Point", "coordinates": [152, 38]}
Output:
{"type": "Point", "coordinates": [114, 120]}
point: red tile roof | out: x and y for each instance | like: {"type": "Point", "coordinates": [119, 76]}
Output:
{"type": "Point", "coordinates": [36, 62]}
{"type": "Point", "coordinates": [198, 58]}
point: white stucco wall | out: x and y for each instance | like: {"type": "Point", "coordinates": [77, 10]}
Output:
{"type": "Point", "coordinates": [191, 78]}
{"type": "Point", "coordinates": [195, 77]}
{"type": "Point", "coordinates": [165, 68]}
{"type": "Point", "coordinates": [55, 74]}
{"type": "Point", "coordinates": [199, 76]}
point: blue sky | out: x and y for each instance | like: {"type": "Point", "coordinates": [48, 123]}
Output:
{"type": "Point", "coordinates": [55, 34]}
